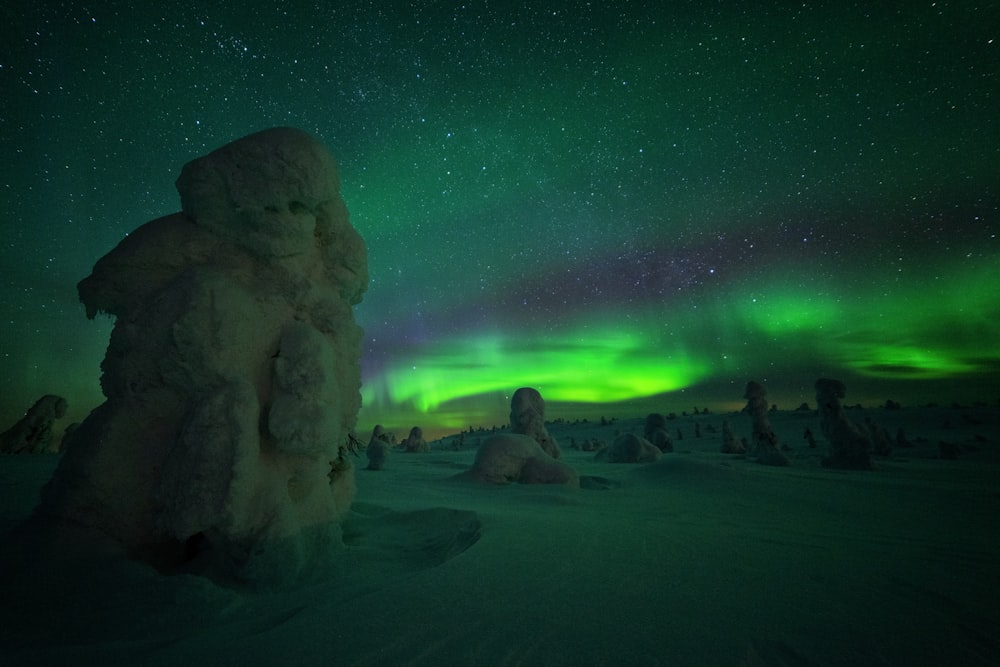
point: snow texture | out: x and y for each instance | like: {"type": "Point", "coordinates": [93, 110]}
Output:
{"type": "Point", "coordinates": [232, 374]}
{"type": "Point", "coordinates": [820, 567]}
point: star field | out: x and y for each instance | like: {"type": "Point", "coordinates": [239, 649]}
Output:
{"type": "Point", "coordinates": [630, 206]}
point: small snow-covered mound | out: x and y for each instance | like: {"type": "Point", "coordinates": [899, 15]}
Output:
{"type": "Point", "coordinates": [518, 458]}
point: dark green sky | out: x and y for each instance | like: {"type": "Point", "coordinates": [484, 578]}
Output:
{"type": "Point", "coordinates": [607, 201]}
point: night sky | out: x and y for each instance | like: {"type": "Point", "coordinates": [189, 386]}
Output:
{"type": "Point", "coordinates": [630, 206]}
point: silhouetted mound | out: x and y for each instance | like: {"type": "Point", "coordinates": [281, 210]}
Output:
{"type": "Point", "coordinates": [880, 438]}
{"type": "Point", "coordinates": [378, 449]}
{"type": "Point", "coordinates": [850, 445]}
{"type": "Point", "coordinates": [378, 433]}
{"type": "Point", "coordinates": [629, 448]}
{"type": "Point", "coordinates": [377, 453]}
{"type": "Point", "coordinates": [527, 417]}
{"type": "Point", "coordinates": [507, 458]}
{"type": "Point", "coordinates": [415, 443]}
{"type": "Point", "coordinates": [232, 375]}
{"type": "Point", "coordinates": [32, 434]}
{"type": "Point", "coordinates": [765, 442]}
{"type": "Point", "coordinates": [656, 432]}
{"type": "Point", "coordinates": [730, 445]}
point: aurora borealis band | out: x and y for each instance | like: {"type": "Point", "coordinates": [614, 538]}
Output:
{"type": "Point", "coordinates": [629, 206]}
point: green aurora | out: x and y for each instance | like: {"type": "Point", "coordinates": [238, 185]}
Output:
{"type": "Point", "coordinates": [630, 208]}
{"type": "Point", "coordinates": [621, 356]}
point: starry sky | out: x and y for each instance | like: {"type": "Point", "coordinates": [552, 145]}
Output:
{"type": "Point", "coordinates": [630, 206]}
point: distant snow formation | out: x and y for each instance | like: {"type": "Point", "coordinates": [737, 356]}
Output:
{"type": "Point", "coordinates": [32, 434]}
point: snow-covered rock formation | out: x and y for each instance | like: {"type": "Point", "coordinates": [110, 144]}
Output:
{"type": "Point", "coordinates": [527, 417]}
{"type": "Point", "coordinates": [415, 443]}
{"type": "Point", "coordinates": [629, 448]}
{"type": "Point", "coordinates": [232, 376]}
{"type": "Point", "coordinates": [514, 457]}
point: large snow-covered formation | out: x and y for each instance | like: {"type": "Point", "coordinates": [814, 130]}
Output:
{"type": "Point", "coordinates": [527, 417]}
{"type": "Point", "coordinates": [528, 454]}
{"type": "Point", "coordinates": [232, 375]}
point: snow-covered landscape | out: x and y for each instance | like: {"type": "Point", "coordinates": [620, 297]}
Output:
{"type": "Point", "coordinates": [697, 558]}
{"type": "Point", "coordinates": [223, 505]}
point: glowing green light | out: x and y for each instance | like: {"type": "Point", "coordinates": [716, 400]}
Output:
{"type": "Point", "coordinates": [792, 312]}
{"type": "Point", "coordinates": [941, 329]}
{"type": "Point", "coordinates": [907, 362]}
{"type": "Point", "coordinates": [904, 330]}
{"type": "Point", "coordinates": [604, 366]}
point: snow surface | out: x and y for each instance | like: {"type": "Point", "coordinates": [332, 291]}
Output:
{"type": "Point", "coordinates": [700, 558]}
